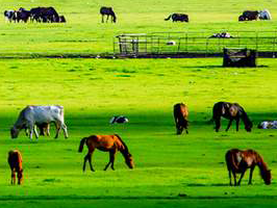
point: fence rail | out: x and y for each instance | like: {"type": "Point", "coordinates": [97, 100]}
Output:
{"type": "Point", "coordinates": [193, 42]}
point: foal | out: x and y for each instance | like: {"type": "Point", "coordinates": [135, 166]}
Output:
{"type": "Point", "coordinates": [238, 161]}
{"type": "Point", "coordinates": [107, 143]}
{"type": "Point", "coordinates": [231, 111]}
{"type": "Point", "coordinates": [15, 162]}
{"type": "Point", "coordinates": [180, 112]}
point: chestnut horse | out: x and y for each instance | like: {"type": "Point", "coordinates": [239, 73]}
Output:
{"type": "Point", "coordinates": [180, 112]}
{"type": "Point", "coordinates": [238, 161]}
{"type": "Point", "coordinates": [15, 162]}
{"type": "Point", "coordinates": [231, 111]}
{"type": "Point", "coordinates": [107, 143]}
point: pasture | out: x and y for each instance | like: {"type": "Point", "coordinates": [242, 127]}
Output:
{"type": "Point", "coordinates": [170, 170]}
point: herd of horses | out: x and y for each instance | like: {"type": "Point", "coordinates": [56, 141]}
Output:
{"type": "Point", "coordinates": [238, 161]}
{"type": "Point", "coordinates": [49, 14]}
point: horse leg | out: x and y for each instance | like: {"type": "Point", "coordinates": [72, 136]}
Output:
{"type": "Point", "coordinates": [241, 176]}
{"type": "Point", "coordinates": [102, 18]}
{"type": "Point", "coordinates": [13, 177]}
{"type": "Point", "coordinates": [111, 161]}
{"type": "Point", "coordinates": [88, 157]}
{"type": "Point", "coordinates": [235, 178]}
{"type": "Point", "coordinates": [230, 177]}
{"type": "Point", "coordinates": [217, 124]}
{"type": "Point", "coordinates": [107, 18]}
{"type": "Point", "coordinates": [250, 175]}
{"type": "Point", "coordinates": [48, 129]}
{"type": "Point", "coordinates": [229, 124]}
{"type": "Point", "coordinates": [237, 124]}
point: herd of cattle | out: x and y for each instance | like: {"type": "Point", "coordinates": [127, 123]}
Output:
{"type": "Point", "coordinates": [38, 14]}
{"type": "Point", "coordinates": [49, 14]}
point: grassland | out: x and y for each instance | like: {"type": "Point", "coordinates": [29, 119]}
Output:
{"type": "Point", "coordinates": [85, 34]}
{"type": "Point", "coordinates": [145, 90]}
{"type": "Point", "coordinates": [171, 171]}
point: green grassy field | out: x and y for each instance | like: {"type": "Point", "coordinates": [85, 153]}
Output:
{"type": "Point", "coordinates": [85, 34]}
{"type": "Point", "coordinates": [171, 171]}
{"type": "Point", "coordinates": [145, 90]}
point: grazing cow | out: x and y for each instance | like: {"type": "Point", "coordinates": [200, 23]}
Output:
{"type": "Point", "coordinates": [119, 119]}
{"type": "Point", "coordinates": [106, 143]}
{"type": "Point", "coordinates": [249, 16]}
{"type": "Point", "coordinates": [178, 17]}
{"type": "Point", "coordinates": [62, 19]}
{"type": "Point", "coordinates": [10, 15]}
{"type": "Point", "coordinates": [265, 15]}
{"type": "Point", "coordinates": [44, 14]}
{"type": "Point", "coordinates": [238, 161]}
{"type": "Point", "coordinates": [23, 15]}
{"type": "Point", "coordinates": [221, 35]}
{"type": "Point", "coordinates": [231, 111]}
{"type": "Point", "coordinates": [15, 162]}
{"type": "Point", "coordinates": [108, 11]}
{"type": "Point", "coordinates": [268, 125]}
{"type": "Point", "coordinates": [36, 115]}
{"type": "Point", "coordinates": [180, 112]}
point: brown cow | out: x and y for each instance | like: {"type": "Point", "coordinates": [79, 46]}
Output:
{"type": "Point", "coordinates": [180, 111]}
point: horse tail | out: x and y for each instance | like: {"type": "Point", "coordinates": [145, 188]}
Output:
{"type": "Point", "coordinates": [123, 143]}
{"type": "Point", "coordinates": [82, 142]}
{"type": "Point", "coordinates": [168, 17]}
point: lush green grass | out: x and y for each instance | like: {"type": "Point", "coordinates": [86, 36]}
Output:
{"type": "Point", "coordinates": [84, 33]}
{"type": "Point", "coordinates": [144, 90]}
{"type": "Point", "coordinates": [171, 171]}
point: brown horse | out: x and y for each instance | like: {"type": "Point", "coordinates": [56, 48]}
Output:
{"type": "Point", "coordinates": [15, 162]}
{"type": "Point", "coordinates": [108, 11]}
{"type": "Point", "coordinates": [238, 161]}
{"type": "Point", "coordinates": [231, 111]}
{"type": "Point", "coordinates": [107, 143]}
{"type": "Point", "coordinates": [180, 112]}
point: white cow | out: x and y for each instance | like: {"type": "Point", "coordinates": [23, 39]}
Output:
{"type": "Point", "coordinates": [10, 15]}
{"type": "Point", "coordinates": [119, 119]}
{"type": "Point", "coordinates": [31, 116]}
{"type": "Point", "coordinates": [265, 15]}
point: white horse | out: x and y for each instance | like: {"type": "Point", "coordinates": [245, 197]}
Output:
{"type": "Point", "coordinates": [31, 116]}
{"type": "Point", "coordinates": [265, 15]}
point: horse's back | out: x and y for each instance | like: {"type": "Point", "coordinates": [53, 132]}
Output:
{"type": "Point", "coordinates": [102, 142]}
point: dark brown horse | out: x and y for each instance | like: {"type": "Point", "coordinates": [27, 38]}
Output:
{"type": "Point", "coordinates": [238, 161]}
{"type": "Point", "coordinates": [250, 15]}
{"type": "Point", "coordinates": [107, 143]}
{"type": "Point", "coordinates": [15, 162]}
{"type": "Point", "coordinates": [108, 11]}
{"type": "Point", "coordinates": [180, 112]}
{"type": "Point", "coordinates": [231, 111]}
{"type": "Point", "coordinates": [178, 17]}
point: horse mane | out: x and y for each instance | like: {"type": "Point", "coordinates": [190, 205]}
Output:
{"type": "Point", "coordinates": [125, 150]}
{"type": "Point", "coordinates": [260, 162]}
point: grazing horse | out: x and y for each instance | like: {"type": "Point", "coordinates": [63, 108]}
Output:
{"type": "Point", "coordinates": [15, 162]}
{"type": "Point", "coordinates": [230, 111]}
{"type": "Point", "coordinates": [238, 161]}
{"type": "Point", "coordinates": [178, 17]}
{"type": "Point", "coordinates": [107, 143]}
{"type": "Point", "coordinates": [180, 112]}
{"type": "Point", "coordinates": [109, 12]}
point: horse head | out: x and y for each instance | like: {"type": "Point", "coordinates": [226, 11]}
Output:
{"type": "Point", "coordinates": [266, 175]}
{"type": "Point", "coordinates": [248, 126]}
{"type": "Point", "coordinates": [129, 161]}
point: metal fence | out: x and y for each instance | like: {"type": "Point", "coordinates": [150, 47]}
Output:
{"type": "Point", "coordinates": [193, 42]}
